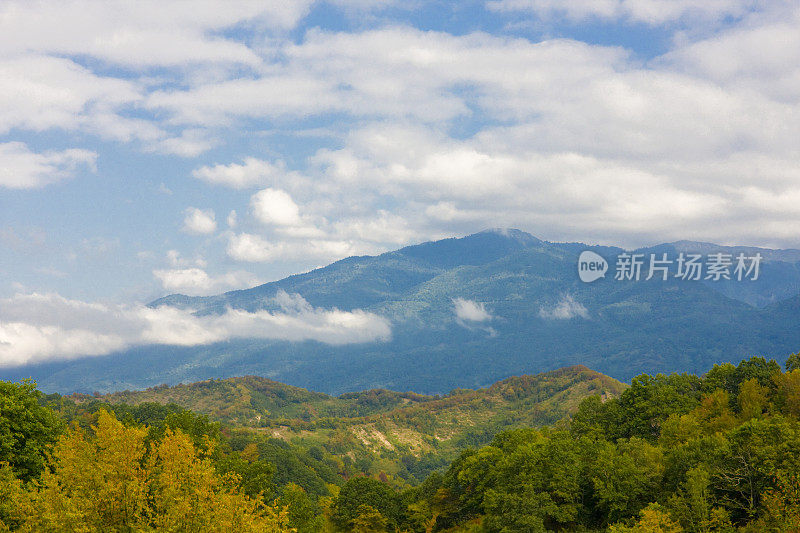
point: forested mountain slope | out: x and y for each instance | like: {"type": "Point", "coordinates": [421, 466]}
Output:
{"type": "Point", "coordinates": [533, 315]}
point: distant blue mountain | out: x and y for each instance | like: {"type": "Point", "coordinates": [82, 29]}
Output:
{"type": "Point", "coordinates": [542, 317]}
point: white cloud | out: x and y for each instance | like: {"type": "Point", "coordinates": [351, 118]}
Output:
{"type": "Point", "coordinates": [386, 227]}
{"type": "Point", "coordinates": [196, 281]}
{"type": "Point", "coordinates": [653, 12]}
{"type": "Point", "coordinates": [394, 73]}
{"type": "Point", "coordinates": [470, 311]}
{"type": "Point", "coordinates": [275, 207]}
{"type": "Point", "coordinates": [44, 327]}
{"type": "Point", "coordinates": [44, 83]}
{"type": "Point", "coordinates": [21, 168]}
{"type": "Point", "coordinates": [634, 151]}
{"type": "Point", "coordinates": [505, 177]}
{"type": "Point", "coordinates": [232, 219]}
{"type": "Point", "coordinates": [760, 55]}
{"type": "Point", "coordinates": [699, 143]}
{"type": "Point", "coordinates": [190, 143]}
{"type": "Point", "coordinates": [254, 248]}
{"type": "Point", "coordinates": [175, 260]}
{"type": "Point", "coordinates": [199, 221]}
{"type": "Point", "coordinates": [38, 93]}
{"type": "Point", "coordinates": [564, 309]}
{"type": "Point", "coordinates": [252, 172]}
{"type": "Point", "coordinates": [141, 34]}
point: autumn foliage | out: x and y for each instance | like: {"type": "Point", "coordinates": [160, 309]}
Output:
{"type": "Point", "coordinates": [112, 479]}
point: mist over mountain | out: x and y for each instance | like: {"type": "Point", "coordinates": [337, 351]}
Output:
{"type": "Point", "coordinates": [466, 312]}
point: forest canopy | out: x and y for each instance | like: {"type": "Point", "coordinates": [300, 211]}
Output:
{"type": "Point", "coordinates": [673, 453]}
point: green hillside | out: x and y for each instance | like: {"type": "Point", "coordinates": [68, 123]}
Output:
{"type": "Point", "coordinates": [381, 429]}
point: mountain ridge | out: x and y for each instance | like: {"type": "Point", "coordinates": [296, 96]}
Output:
{"type": "Point", "coordinates": [522, 238]}
{"type": "Point", "coordinates": [536, 316]}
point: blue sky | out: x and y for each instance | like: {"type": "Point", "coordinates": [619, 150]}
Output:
{"type": "Point", "coordinates": [204, 147]}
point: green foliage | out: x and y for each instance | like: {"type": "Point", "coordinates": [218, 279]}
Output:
{"type": "Point", "coordinates": [360, 499]}
{"type": "Point", "coordinates": [671, 453]}
{"type": "Point", "coordinates": [27, 430]}
{"type": "Point", "coordinates": [793, 362]}
{"type": "Point", "coordinates": [304, 513]}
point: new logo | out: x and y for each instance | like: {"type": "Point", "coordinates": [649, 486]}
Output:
{"type": "Point", "coordinates": [591, 266]}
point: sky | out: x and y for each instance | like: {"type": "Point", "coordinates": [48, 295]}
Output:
{"type": "Point", "coordinates": [149, 148]}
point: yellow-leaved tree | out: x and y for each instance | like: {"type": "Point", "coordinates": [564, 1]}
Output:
{"type": "Point", "coordinates": [111, 481]}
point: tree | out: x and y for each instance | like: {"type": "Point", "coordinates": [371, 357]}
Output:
{"type": "Point", "coordinates": [788, 393]}
{"type": "Point", "coordinates": [363, 491]}
{"type": "Point", "coordinates": [626, 477]}
{"type": "Point", "coordinates": [753, 398]}
{"type": "Point", "coordinates": [793, 362]}
{"type": "Point", "coordinates": [536, 485]}
{"type": "Point", "coordinates": [596, 418]}
{"type": "Point", "coordinates": [369, 520]}
{"type": "Point", "coordinates": [653, 519]}
{"type": "Point", "coordinates": [28, 430]}
{"type": "Point", "coordinates": [304, 513]}
{"type": "Point", "coordinates": [15, 503]}
{"type": "Point", "coordinates": [692, 505]}
{"type": "Point", "coordinates": [782, 504]}
{"type": "Point", "coordinates": [188, 494]}
{"type": "Point", "coordinates": [758, 368]}
{"type": "Point", "coordinates": [650, 400]}
{"type": "Point", "coordinates": [110, 481]}
{"type": "Point", "coordinates": [95, 482]}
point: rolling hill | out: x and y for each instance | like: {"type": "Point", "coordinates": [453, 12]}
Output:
{"type": "Point", "coordinates": [382, 429]}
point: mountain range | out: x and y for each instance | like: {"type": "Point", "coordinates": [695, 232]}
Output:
{"type": "Point", "coordinates": [467, 312]}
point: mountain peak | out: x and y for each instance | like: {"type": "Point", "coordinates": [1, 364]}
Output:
{"type": "Point", "coordinates": [518, 235]}
{"type": "Point", "coordinates": [475, 249]}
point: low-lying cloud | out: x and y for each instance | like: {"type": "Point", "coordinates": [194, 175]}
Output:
{"type": "Point", "coordinates": [36, 327]}
{"type": "Point", "coordinates": [471, 311]}
{"type": "Point", "coordinates": [565, 309]}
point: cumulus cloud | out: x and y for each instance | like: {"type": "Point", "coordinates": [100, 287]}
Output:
{"type": "Point", "coordinates": [141, 34]}
{"type": "Point", "coordinates": [564, 309]}
{"type": "Point", "coordinates": [22, 168]}
{"type": "Point", "coordinates": [44, 327]}
{"type": "Point", "coordinates": [199, 221]}
{"type": "Point", "coordinates": [255, 249]}
{"type": "Point", "coordinates": [252, 172]}
{"type": "Point", "coordinates": [42, 86]}
{"type": "Point", "coordinates": [275, 207]}
{"type": "Point", "coordinates": [672, 149]}
{"type": "Point", "coordinates": [197, 282]}
{"type": "Point", "coordinates": [69, 97]}
{"type": "Point", "coordinates": [698, 143]}
{"type": "Point", "coordinates": [252, 248]}
{"type": "Point", "coordinates": [470, 311]}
